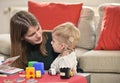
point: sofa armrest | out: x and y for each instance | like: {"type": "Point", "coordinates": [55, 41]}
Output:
{"type": "Point", "coordinates": [4, 56]}
{"type": "Point", "coordinates": [100, 61]}
{"type": "Point", "coordinates": [5, 44]}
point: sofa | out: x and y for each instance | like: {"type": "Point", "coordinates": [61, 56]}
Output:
{"type": "Point", "coordinates": [103, 65]}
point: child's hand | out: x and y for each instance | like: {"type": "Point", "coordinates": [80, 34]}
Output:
{"type": "Point", "coordinates": [74, 71]}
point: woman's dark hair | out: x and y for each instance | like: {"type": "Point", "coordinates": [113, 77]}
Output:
{"type": "Point", "coordinates": [19, 25]}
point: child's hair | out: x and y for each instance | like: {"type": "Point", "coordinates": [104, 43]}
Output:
{"type": "Point", "coordinates": [68, 33]}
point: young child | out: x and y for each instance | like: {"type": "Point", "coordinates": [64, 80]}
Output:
{"type": "Point", "coordinates": [64, 39]}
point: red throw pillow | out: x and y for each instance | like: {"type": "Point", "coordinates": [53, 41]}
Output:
{"type": "Point", "coordinates": [50, 15]}
{"type": "Point", "coordinates": [110, 34]}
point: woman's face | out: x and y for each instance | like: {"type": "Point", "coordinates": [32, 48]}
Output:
{"type": "Point", "coordinates": [34, 35]}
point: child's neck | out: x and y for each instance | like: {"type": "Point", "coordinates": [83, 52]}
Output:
{"type": "Point", "coordinates": [66, 52]}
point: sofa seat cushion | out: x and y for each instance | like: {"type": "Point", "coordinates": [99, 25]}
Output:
{"type": "Point", "coordinates": [100, 61]}
{"type": "Point", "coordinates": [80, 51]}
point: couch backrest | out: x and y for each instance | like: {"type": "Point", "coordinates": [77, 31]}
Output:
{"type": "Point", "coordinates": [86, 26]}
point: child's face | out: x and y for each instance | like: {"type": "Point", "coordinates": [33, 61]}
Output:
{"type": "Point", "coordinates": [57, 46]}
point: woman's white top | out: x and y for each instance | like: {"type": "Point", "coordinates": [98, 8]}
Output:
{"type": "Point", "coordinates": [69, 61]}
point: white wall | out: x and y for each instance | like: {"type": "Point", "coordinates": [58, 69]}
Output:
{"type": "Point", "coordinates": [5, 4]}
{"type": "Point", "coordinates": [4, 15]}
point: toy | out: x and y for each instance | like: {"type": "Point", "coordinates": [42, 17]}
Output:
{"type": "Point", "coordinates": [65, 73]}
{"type": "Point", "coordinates": [21, 79]}
{"type": "Point", "coordinates": [34, 69]}
{"type": "Point", "coordinates": [52, 71]}
{"type": "Point", "coordinates": [8, 81]}
{"type": "Point", "coordinates": [30, 72]}
{"type": "Point", "coordinates": [38, 74]}
{"type": "Point", "coordinates": [39, 66]}
{"type": "Point", "coordinates": [32, 81]}
{"type": "Point", "coordinates": [30, 63]}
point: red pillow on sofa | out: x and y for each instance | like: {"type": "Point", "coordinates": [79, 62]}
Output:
{"type": "Point", "coordinates": [110, 34]}
{"type": "Point", "coordinates": [50, 15]}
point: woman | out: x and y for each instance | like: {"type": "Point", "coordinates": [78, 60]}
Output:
{"type": "Point", "coordinates": [29, 41]}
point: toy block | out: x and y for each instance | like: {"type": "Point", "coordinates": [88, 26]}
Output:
{"type": "Point", "coordinates": [30, 72]}
{"type": "Point", "coordinates": [39, 66]}
{"type": "Point", "coordinates": [38, 74]}
{"type": "Point", "coordinates": [30, 63]}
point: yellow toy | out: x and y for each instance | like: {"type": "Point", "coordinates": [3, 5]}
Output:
{"type": "Point", "coordinates": [71, 73]}
{"type": "Point", "coordinates": [38, 74]}
{"type": "Point", "coordinates": [30, 72]}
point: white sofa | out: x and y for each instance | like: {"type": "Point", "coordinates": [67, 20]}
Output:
{"type": "Point", "coordinates": [104, 66]}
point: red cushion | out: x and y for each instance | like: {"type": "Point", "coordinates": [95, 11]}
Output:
{"type": "Point", "coordinates": [110, 34]}
{"type": "Point", "coordinates": [50, 15]}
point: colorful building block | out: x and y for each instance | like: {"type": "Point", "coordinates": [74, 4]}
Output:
{"type": "Point", "coordinates": [38, 74]}
{"type": "Point", "coordinates": [39, 66]}
{"type": "Point", "coordinates": [30, 63]}
{"type": "Point", "coordinates": [30, 72]}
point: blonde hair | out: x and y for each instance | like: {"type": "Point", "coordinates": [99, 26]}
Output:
{"type": "Point", "coordinates": [68, 33]}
